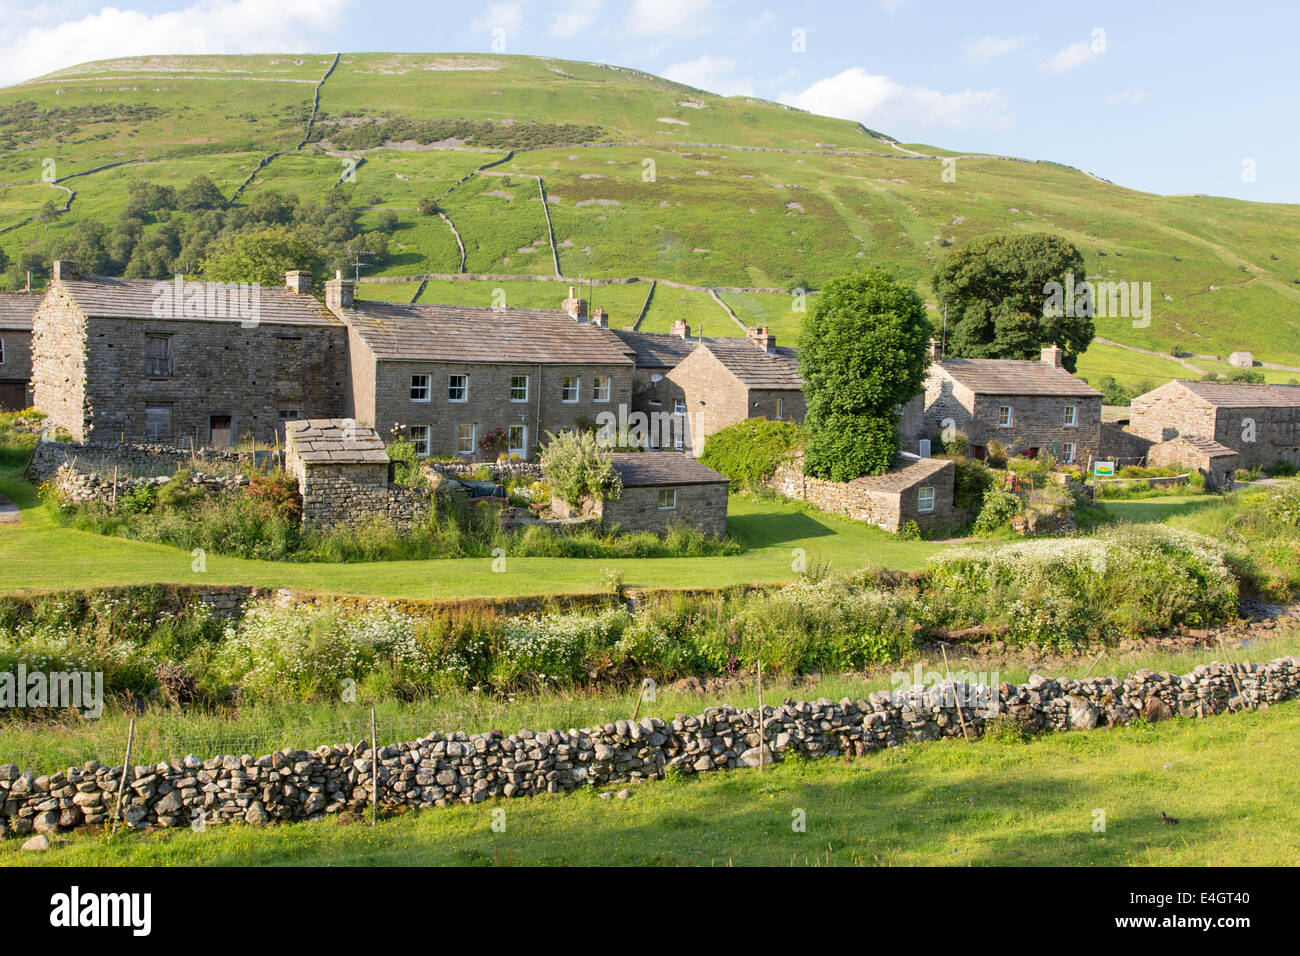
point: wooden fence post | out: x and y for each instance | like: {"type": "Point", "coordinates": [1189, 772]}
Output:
{"type": "Point", "coordinates": [126, 768]}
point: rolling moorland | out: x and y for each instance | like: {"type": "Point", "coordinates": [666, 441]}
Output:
{"type": "Point", "coordinates": [642, 178]}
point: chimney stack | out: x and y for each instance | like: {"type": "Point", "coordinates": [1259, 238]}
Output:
{"type": "Point", "coordinates": [936, 350]}
{"type": "Point", "coordinates": [338, 293]}
{"type": "Point", "coordinates": [299, 280]}
{"type": "Point", "coordinates": [1053, 355]}
{"type": "Point", "coordinates": [681, 329]}
{"type": "Point", "coordinates": [63, 269]}
{"type": "Point", "coordinates": [575, 307]}
{"type": "Point", "coordinates": [600, 317]}
{"type": "Point", "coordinates": [761, 337]}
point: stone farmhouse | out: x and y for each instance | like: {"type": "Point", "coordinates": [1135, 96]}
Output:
{"type": "Point", "coordinates": [154, 361]}
{"type": "Point", "coordinates": [1259, 422]}
{"type": "Point", "coordinates": [717, 383]}
{"type": "Point", "coordinates": [448, 375]}
{"type": "Point", "coordinates": [1030, 408]}
{"type": "Point", "coordinates": [16, 310]}
{"type": "Point", "coordinates": [659, 491]}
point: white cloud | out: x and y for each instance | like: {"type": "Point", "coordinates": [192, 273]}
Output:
{"type": "Point", "coordinates": [1131, 95]}
{"type": "Point", "coordinates": [760, 22]}
{"type": "Point", "coordinates": [658, 18]}
{"type": "Point", "coordinates": [500, 16]}
{"type": "Point", "coordinates": [882, 103]}
{"type": "Point", "coordinates": [712, 73]}
{"type": "Point", "coordinates": [580, 15]}
{"type": "Point", "coordinates": [210, 26]}
{"type": "Point", "coordinates": [988, 48]}
{"type": "Point", "coordinates": [1073, 56]}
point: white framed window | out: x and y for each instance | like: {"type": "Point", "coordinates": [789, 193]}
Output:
{"type": "Point", "coordinates": [925, 499]}
{"type": "Point", "coordinates": [780, 409]}
{"type": "Point", "coordinates": [465, 439]}
{"type": "Point", "coordinates": [157, 422]}
{"type": "Point", "coordinates": [679, 406]}
{"type": "Point", "coordinates": [654, 403]}
{"type": "Point", "coordinates": [570, 386]}
{"type": "Point", "coordinates": [421, 389]}
{"type": "Point", "coordinates": [656, 377]}
{"type": "Point", "coordinates": [602, 387]}
{"type": "Point", "coordinates": [458, 388]}
{"type": "Point", "coordinates": [1004, 416]}
{"type": "Point", "coordinates": [1067, 452]}
{"type": "Point", "coordinates": [158, 355]}
{"type": "Point", "coordinates": [517, 440]}
{"type": "Point", "coordinates": [2, 350]}
{"type": "Point", "coordinates": [1068, 418]}
{"type": "Point", "coordinates": [289, 413]}
{"type": "Point", "coordinates": [667, 499]}
{"type": "Point", "coordinates": [518, 388]}
{"type": "Point", "coordinates": [419, 435]}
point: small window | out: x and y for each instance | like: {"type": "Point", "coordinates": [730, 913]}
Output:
{"type": "Point", "coordinates": [158, 355]}
{"type": "Point", "coordinates": [1068, 417]}
{"type": "Point", "coordinates": [1067, 452]}
{"type": "Point", "coordinates": [1004, 416]}
{"type": "Point", "coordinates": [289, 413]}
{"type": "Point", "coordinates": [2, 350]}
{"type": "Point", "coordinates": [679, 441]}
{"type": "Point", "coordinates": [667, 499]}
{"type": "Point", "coordinates": [457, 388]}
{"type": "Point", "coordinates": [518, 388]}
{"type": "Point", "coordinates": [679, 406]}
{"type": "Point", "coordinates": [601, 388]}
{"type": "Point", "coordinates": [517, 443]}
{"type": "Point", "coordinates": [569, 386]}
{"type": "Point", "coordinates": [420, 388]}
{"type": "Point", "coordinates": [465, 439]}
{"type": "Point", "coordinates": [654, 403]}
{"type": "Point", "coordinates": [419, 435]}
{"type": "Point", "coordinates": [656, 377]}
{"type": "Point", "coordinates": [157, 422]}
{"type": "Point", "coordinates": [780, 409]}
{"type": "Point", "coordinates": [925, 499]}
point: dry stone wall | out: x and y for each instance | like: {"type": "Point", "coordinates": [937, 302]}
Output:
{"type": "Point", "coordinates": [471, 768]}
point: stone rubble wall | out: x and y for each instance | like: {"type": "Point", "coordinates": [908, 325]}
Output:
{"type": "Point", "coordinates": [471, 768]}
{"type": "Point", "coordinates": [50, 456]}
{"type": "Point", "coordinates": [75, 487]}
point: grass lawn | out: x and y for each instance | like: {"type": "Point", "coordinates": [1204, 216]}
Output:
{"type": "Point", "coordinates": [997, 801]}
{"type": "Point", "coordinates": [1160, 509]}
{"type": "Point", "coordinates": [37, 553]}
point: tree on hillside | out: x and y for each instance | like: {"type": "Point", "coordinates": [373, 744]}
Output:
{"type": "Point", "coordinates": [993, 291]}
{"type": "Point", "coordinates": [201, 193]}
{"type": "Point", "coordinates": [262, 256]}
{"type": "Point", "coordinates": [862, 355]}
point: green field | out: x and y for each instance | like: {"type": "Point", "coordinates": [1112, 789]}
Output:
{"type": "Point", "coordinates": [663, 190]}
{"type": "Point", "coordinates": [994, 802]}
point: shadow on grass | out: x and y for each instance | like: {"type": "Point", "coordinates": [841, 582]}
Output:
{"type": "Point", "coordinates": [767, 529]}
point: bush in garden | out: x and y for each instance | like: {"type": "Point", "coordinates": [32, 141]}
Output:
{"type": "Point", "coordinates": [576, 468]}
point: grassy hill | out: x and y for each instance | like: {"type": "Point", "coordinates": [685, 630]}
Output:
{"type": "Point", "coordinates": [744, 193]}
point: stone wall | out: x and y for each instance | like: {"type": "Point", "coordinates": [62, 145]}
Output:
{"type": "Point", "coordinates": [877, 500]}
{"type": "Point", "coordinates": [136, 458]}
{"type": "Point", "coordinates": [76, 487]}
{"type": "Point", "coordinates": [700, 506]}
{"type": "Point", "coordinates": [460, 768]}
{"type": "Point", "coordinates": [1122, 445]}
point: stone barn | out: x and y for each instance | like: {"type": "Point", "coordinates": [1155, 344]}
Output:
{"type": "Point", "coordinates": [915, 489]}
{"type": "Point", "coordinates": [1215, 461]}
{"type": "Point", "coordinates": [660, 489]}
{"type": "Point", "coordinates": [344, 474]}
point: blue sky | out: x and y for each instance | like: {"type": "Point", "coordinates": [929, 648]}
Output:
{"type": "Point", "coordinates": [1170, 98]}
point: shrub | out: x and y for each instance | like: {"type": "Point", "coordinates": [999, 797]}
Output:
{"type": "Point", "coordinates": [277, 494]}
{"type": "Point", "coordinates": [749, 452]}
{"type": "Point", "coordinates": [995, 454]}
{"type": "Point", "coordinates": [970, 483]}
{"type": "Point", "coordinates": [576, 468]}
{"type": "Point", "coordinates": [999, 507]}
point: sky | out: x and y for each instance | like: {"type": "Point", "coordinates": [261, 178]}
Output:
{"type": "Point", "coordinates": [1193, 97]}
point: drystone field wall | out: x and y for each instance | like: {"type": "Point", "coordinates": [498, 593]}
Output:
{"type": "Point", "coordinates": [50, 456]}
{"type": "Point", "coordinates": [74, 486]}
{"type": "Point", "coordinates": [470, 768]}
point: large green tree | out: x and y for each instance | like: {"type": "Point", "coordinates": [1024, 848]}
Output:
{"type": "Point", "coordinates": [862, 355]}
{"type": "Point", "coordinates": [993, 291]}
{"type": "Point", "coordinates": [264, 256]}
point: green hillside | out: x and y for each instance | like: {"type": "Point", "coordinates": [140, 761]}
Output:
{"type": "Point", "coordinates": [745, 194]}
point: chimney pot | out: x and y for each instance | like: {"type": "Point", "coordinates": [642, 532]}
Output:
{"type": "Point", "coordinates": [600, 317]}
{"type": "Point", "coordinates": [63, 269]}
{"type": "Point", "coordinates": [299, 280]}
{"type": "Point", "coordinates": [338, 293]}
{"type": "Point", "coordinates": [681, 329]}
{"type": "Point", "coordinates": [1053, 355]}
{"type": "Point", "coordinates": [761, 337]}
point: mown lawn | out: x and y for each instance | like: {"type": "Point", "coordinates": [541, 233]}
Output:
{"type": "Point", "coordinates": [1229, 780]}
{"type": "Point", "coordinates": [37, 553]}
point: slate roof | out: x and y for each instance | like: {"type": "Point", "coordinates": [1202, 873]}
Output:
{"type": "Point", "coordinates": [471, 335]}
{"type": "Point", "coordinates": [908, 470]}
{"type": "Point", "coordinates": [656, 349]}
{"type": "Point", "coordinates": [1241, 394]}
{"type": "Point", "coordinates": [778, 369]}
{"type": "Point", "coordinates": [1207, 446]}
{"type": "Point", "coordinates": [111, 298]}
{"type": "Point", "coordinates": [335, 441]}
{"type": "Point", "coordinates": [16, 309]}
{"type": "Point", "coordinates": [1015, 377]}
{"type": "Point", "coordinates": [643, 469]}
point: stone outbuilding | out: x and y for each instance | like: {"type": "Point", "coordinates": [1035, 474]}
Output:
{"type": "Point", "coordinates": [915, 489]}
{"type": "Point", "coordinates": [344, 474]}
{"type": "Point", "coordinates": [1260, 422]}
{"type": "Point", "coordinates": [660, 489]}
{"type": "Point", "coordinates": [16, 310]}
{"type": "Point", "coordinates": [1216, 462]}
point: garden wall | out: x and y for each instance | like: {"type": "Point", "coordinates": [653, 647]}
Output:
{"type": "Point", "coordinates": [471, 768]}
{"type": "Point", "coordinates": [133, 458]}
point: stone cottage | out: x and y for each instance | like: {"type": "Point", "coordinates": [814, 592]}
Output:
{"type": "Point", "coordinates": [1259, 422]}
{"type": "Point", "coordinates": [1215, 461]}
{"type": "Point", "coordinates": [1030, 408]}
{"type": "Point", "coordinates": [16, 310]}
{"type": "Point", "coordinates": [915, 489]}
{"type": "Point", "coordinates": [660, 490]}
{"type": "Point", "coordinates": [451, 375]}
{"type": "Point", "coordinates": [720, 382]}
{"type": "Point", "coordinates": [176, 361]}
